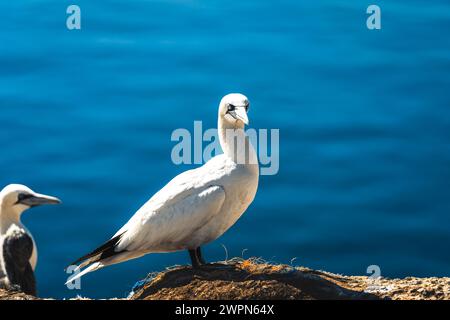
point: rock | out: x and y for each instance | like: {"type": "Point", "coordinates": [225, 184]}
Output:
{"type": "Point", "coordinates": [15, 295]}
{"type": "Point", "coordinates": [254, 280]}
{"type": "Point", "coordinates": [250, 280]}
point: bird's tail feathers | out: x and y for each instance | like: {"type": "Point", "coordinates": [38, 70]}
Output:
{"type": "Point", "coordinates": [106, 250]}
{"type": "Point", "coordinates": [98, 264]}
{"type": "Point", "coordinates": [78, 274]}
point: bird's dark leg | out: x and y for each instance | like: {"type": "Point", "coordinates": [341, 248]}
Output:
{"type": "Point", "coordinates": [194, 258]}
{"type": "Point", "coordinates": [200, 256]}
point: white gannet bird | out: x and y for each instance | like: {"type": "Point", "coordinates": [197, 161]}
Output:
{"type": "Point", "coordinates": [196, 207]}
{"type": "Point", "coordinates": [18, 253]}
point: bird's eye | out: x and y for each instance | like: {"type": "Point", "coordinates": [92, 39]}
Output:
{"type": "Point", "coordinates": [231, 107]}
{"type": "Point", "coordinates": [247, 106]}
{"type": "Point", "coordinates": [22, 197]}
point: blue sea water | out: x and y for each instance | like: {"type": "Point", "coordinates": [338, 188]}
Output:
{"type": "Point", "coordinates": [364, 119]}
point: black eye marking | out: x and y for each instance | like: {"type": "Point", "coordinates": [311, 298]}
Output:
{"type": "Point", "coordinates": [231, 107]}
{"type": "Point", "coordinates": [247, 106]}
{"type": "Point", "coordinates": [23, 196]}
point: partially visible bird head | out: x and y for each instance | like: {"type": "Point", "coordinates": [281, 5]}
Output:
{"type": "Point", "coordinates": [21, 198]}
{"type": "Point", "coordinates": [233, 110]}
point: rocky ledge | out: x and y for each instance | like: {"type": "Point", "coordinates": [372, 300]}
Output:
{"type": "Point", "coordinates": [252, 279]}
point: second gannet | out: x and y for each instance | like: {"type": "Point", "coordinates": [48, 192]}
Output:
{"type": "Point", "coordinates": [18, 253]}
{"type": "Point", "coordinates": [196, 207]}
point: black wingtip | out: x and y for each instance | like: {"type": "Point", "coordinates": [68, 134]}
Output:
{"type": "Point", "coordinates": [104, 251]}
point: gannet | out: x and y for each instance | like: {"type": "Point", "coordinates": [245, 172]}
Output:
{"type": "Point", "coordinates": [196, 207]}
{"type": "Point", "coordinates": [18, 253]}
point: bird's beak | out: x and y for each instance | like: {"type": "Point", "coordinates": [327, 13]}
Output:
{"type": "Point", "coordinates": [240, 114]}
{"type": "Point", "coordinates": [40, 199]}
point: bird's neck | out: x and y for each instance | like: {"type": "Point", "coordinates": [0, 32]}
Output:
{"type": "Point", "coordinates": [236, 144]}
{"type": "Point", "coordinates": [9, 216]}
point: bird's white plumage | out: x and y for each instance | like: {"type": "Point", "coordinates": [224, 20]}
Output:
{"type": "Point", "coordinates": [198, 205]}
{"type": "Point", "coordinates": [194, 208]}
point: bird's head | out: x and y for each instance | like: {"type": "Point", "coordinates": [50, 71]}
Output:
{"type": "Point", "coordinates": [233, 110]}
{"type": "Point", "coordinates": [20, 198]}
